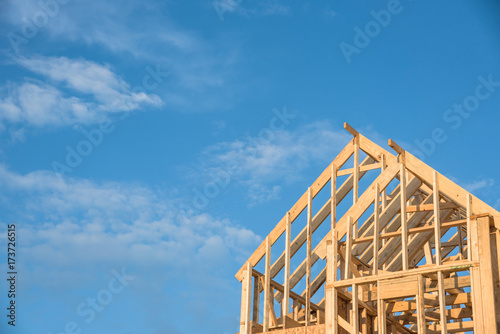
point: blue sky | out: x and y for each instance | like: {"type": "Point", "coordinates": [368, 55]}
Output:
{"type": "Point", "coordinates": [147, 148]}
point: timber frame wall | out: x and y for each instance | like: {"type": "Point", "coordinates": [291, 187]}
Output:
{"type": "Point", "coordinates": [414, 253]}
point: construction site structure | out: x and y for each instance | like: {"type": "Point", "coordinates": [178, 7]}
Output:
{"type": "Point", "coordinates": [408, 251]}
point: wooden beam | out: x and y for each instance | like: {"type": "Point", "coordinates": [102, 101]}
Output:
{"type": "Point", "coordinates": [246, 295]}
{"type": "Point", "coordinates": [355, 309]}
{"type": "Point", "coordinates": [348, 249]}
{"type": "Point", "coordinates": [455, 282]}
{"type": "Point", "coordinates": [404, 223]}
{"type": "Point", "coordinates": [351, 129]}
{"type": "Point", "coordinates": [437, 222]}
{"type": "Point", "coordinates": [430, 207]}
{"type": "Point", "coordinates": [421, 323]}
{"type": "Point", "coordinates": [355, 188]}
{"type": "Point", "coordinates": [445, 267]}
{"type": "Point", "coordinates": [402, 306]}
{"type": "Point", "coordinates": [376, 230]}
{"type": "Point", "coordinates": [381, 314]}
{"type": "Point", "coordinates": [308, 259]}
{"type": "Point", "coordinates": [486, 273]}
{"type": "Point", "coordinates": [362, 168]}
{"type": "Point", "coordinates": [442, 303]}
{"type": "Point", "coordinates": [256, 300]}
{"type": "Point", "coordinates": [267, 285]}
{"type": "Point", "coordinates": [395, 147]}
{"type": "Point", "coordinates": [286, 297]}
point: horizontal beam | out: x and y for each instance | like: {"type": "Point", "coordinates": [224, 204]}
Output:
{"type": "Point", "coordinates": [447, 267]}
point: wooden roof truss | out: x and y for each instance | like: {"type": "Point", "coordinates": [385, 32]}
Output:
{"type": "Point", "coordinates": [412, 253]}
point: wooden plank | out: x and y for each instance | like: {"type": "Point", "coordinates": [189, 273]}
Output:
{"type": "Point", "coordinates": [404, 223]}
{"type": "Point", "coordinates": [376, 230]}
{"type": "Point", "coordinates": [248, 300]}
{"type": "Point", "coordinates": [333, 197]}
{"type": "Point", "coordinates": [362, 168]}
{"type": "Point", "coordinates": [381, 315]}
{"type": "Point", "coordinates": [476, 290]}
{"type": "Point", "coordinates": [355, 188]}
{"type": "Point", "coordinates": [330, 301]}
{"type": "Point", "coordinates": [348, 249]}
{"type": "Point", "coordinates": [455, 282]}
{"type": "Point", "coordinates": [469, 215]}
{"type": "Point", "coordinates": [421, 323]}
{"type": "Point", "coordinates": [256, 300]}
{"type": "Point", "coordinates": [351, 129]}
{"type": "Point", "coordinates": [286, 296]}
{"type": "Point", "coordinates": [430, 207]}
{"type": "Point", "coordinates": [445, 267]}
{"type": "Point", "coordinates": [355, 309]}
{"type": "Point", "coordinates": [437, 222]}
{"type": "Point", "coordinates": [460, 238]}
{"type": "Point", "coordinates": [442, 303]}
{"type": "Point", "coordinates": [495, 260]}
{"type": "Point", "coordinates": [308, 258]}
{"type": "Point", "coordinates": [456, 327]}
{"type": "Point", "coordinates": [486, 272]}
{"type": "Point", "coordinates": [267, 286]}
{"type": "Point", "coordinates": [398, 287]}
{"type": "Point", "coordinates": [364, 321]}
{"type": "Point", "coordinates": [407, 305]}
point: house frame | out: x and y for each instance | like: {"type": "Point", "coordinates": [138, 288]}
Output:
{"type": "Point", "coordinates": [414, 253]}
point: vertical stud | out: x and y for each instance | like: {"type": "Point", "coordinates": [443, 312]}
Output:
{"type": "Point", "coordinates": [437, 220]}
{"type": "Point", "coordinates": [286, 296]}
{"type": "Point", "coordinates": [267, 286]}
{"type": "Point", "coordinates": [404, 223]}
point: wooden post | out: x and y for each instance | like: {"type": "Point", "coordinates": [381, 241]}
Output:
{"type": "Point", "coordinates": [256, 300]}
{"type": "Point", "coordinates": [267, 286]}
{"type": "Point", "coordinates": [296, 309]}
{"type": "Point", "coordinates": [331, 261]}
{"type": "Point", "coordinates": [460, 238]}
{"type": "Point", "coordinates": [376, 230]}
{"type": "Point", "coordinates": [308, 260]}
{"type": "Point", "coordinates": [475, 277]}
{"type": "Point", "coordinates": [469, 215]}
{"type": "Point", "coordinates": [330, 301]}
{"type": "Point", "coordinates": [246, 295]}
{"type": "Point", "coordinates": [437, 221]}
{"type": "Point", "coordinates": [355, 309]}
{"type": "Point", "coordinates": [348, 246]}
{"type": "Point", "coordinates": [286, 296]}
{"type": "Point", "coordinates": [381, 315]}
{"type": "Point", "coordinates": [486, 274]}
{"type": "Point", "coordinates": [384, 203]}
{"type": "Point", "coordinates": [421, 324]}
{"type": "Point", "coordinates": [442, 303]}
{"type": "Point", "coordinates": [404, 223]}
{"type": "Point", "coordinates": [334, 279]}
{"type": "Point", "coordinates": [355, 188]}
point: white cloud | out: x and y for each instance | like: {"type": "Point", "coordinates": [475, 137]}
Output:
{"type": "Point", "coordinates": [262, 164]}
{"type": "Point", "coordinates": [198, 68]}
{"type": "Point", "coordinates": [93, 91]}
{"type": "Point", "coordinates": [73, 224]}
{"type": "Point", "coordinates": [479, 184]}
